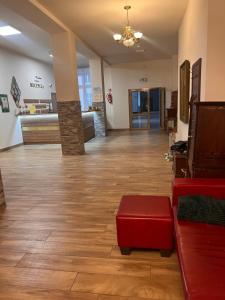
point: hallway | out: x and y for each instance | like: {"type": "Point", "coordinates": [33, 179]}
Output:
{"type": "Point", "coordinates": [57, 233]}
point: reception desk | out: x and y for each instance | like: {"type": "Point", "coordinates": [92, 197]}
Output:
{"type": "Point", "coordinates": [44, 129]}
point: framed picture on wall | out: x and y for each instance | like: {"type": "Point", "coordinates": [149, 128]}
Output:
{"type": "Point", "coordinates": [184, 91]}
{"type": "Point", "coordinates": [4, 103]}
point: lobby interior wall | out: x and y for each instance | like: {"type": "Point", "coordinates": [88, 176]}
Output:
{"type": "Point", "coordinates": [215, 75]}
{"type": "Point", "coordinates": [192, 46]}
{"type": "Point", "coordinates": [24, 69]}
{"type": "Point", "coordinates": [120, 78]}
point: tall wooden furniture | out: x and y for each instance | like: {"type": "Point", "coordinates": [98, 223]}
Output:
{"type": "Point", "coordinates": [206, 153]}
{"type": "Point", "coordinates": [2, 197]}
{"type": "Point", "coordinates": [171, 113]}
{"type": "Point", "coordinates": [180, 165]}
{"type": "Point", "coordinates": [195, 90]}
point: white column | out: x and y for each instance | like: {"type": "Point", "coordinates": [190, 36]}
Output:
{"type": "Point", "coordinates": [67, 93]}
{"type": "Point", "coordinates": [98, 93]}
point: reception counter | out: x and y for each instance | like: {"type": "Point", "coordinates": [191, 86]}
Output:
{"type": "Point", "coordinates": [44, 129]}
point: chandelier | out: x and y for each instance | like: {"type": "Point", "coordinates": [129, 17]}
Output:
{"type": "Point", "coordinates": [129, 37]}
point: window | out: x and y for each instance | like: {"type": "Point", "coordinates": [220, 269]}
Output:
{"type": "Point", "coordinates": [85, 91]}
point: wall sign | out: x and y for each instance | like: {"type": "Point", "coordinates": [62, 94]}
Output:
{"type": "Point", "coordinates": [144, 79]}
{"type": "Point", "coordinates": [4, 103]}
{"type": "Point", "coordinates": [97, 94]}
{"type": "Point", "coordinates": [15, 91]}
{"type": "Point", "coordinates": [36, 85]}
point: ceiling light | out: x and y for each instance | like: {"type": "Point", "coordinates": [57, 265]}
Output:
{"type": "Point", "coordinates": [138, 35]}
{"type": "Point", "coordinates": [8, 30]}
{"type": "Point", "coordinates": [117, 36]}
{"type": "Point", "coordinates": [128, 37]}
{"type": "Point", "coordinates": [51, 55]}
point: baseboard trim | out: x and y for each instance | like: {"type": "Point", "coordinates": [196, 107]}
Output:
{"type": "Point", "coordinates": [118, 129]}
{"type": "Point", "coordinates": [11, 147]}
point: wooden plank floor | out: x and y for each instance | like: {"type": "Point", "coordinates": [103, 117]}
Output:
{"type": "Point", "coordinates": [57, 233]}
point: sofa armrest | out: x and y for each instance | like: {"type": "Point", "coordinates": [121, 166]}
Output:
{"type": "Point", "coordinates": [194, 186]}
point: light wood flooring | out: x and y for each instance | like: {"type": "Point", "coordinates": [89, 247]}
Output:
{"type": "Point", "coordinates": [57, 233]}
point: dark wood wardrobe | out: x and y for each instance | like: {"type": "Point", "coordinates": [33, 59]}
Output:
{"type": "Point", "coordinates": [206, 153]}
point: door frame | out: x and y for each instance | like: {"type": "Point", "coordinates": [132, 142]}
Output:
{"type": "Point", "coordinates": [130, 107]}
{"type": "Point", "coordinates": [162, 106]}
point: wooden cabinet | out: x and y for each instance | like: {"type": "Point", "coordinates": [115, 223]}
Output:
{"type": "Point", "coordinates": [2, 197]}
{"type": "Point", "coordinates": [206, 151]}
{"type": "Point", "coordinates": [180, 165]}
{"type": "Point", "coordinates": [171, 114]}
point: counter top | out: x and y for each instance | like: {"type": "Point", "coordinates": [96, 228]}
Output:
{"type": "Point", "coordinates": [47, 117]}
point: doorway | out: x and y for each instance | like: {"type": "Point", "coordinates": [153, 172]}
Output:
{"type": "Point", "coordinates": [155, 108]}
{"type": "Point", "coordinates": [147, 108]}
{"type": "Point", "coordinates": [139, 109]}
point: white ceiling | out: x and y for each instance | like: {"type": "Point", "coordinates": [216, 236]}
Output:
{"type": "Point", "coordinates": [95, 21]}
{"type": "Point", "coordinates": [33, 42]}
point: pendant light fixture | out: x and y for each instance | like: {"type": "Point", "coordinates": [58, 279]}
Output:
{"type": "Point", "coordinates": [128, 37]}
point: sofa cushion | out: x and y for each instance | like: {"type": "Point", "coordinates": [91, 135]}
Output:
{"type": "Point", "coordinates": [198, 186]}
{"type": "Point", "coordinates": [204, 209]}
{"type": "Point", "coordinates": [201, 251]}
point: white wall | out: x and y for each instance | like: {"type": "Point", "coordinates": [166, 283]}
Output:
{"type": "Point", "coordinates": [122, 77]}
{"type": "Point", "coordinates": [96, 79]}
{"type": "Point", "coordinates": [215, 74]}
{"type": "Point", "coordinates": [192, 46]}
{"type": "Point", "coordinates": [108, 85]}
{"type": "Point", "coordinates": [24, 69]}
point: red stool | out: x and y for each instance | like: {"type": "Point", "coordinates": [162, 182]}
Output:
{"type": "Point", "coordinates": [145, 222]}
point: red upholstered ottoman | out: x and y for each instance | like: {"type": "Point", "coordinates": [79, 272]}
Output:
{"type": "Point", "coordinates": [145, 222]}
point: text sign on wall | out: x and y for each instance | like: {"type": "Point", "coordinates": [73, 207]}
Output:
{"type": "Point", "coordinates": [36, 85]}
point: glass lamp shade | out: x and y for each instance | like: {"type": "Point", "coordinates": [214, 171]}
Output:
{"type": "Point", "coordinates": [117, 37]}
{"type": "Point", "coordinates": [138, 35]}
{"type": "Point", "coordinates": [129, 43]}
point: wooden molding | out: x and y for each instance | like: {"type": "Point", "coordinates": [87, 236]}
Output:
{"type": "Point", "coordinates": [11, 147]}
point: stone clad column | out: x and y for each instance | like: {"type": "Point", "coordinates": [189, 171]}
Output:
{"type": "Point", "coordinates": [67, 91]}
{"type": "Point", "coordinates": [2, 197]}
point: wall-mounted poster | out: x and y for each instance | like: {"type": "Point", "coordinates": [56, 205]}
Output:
{"type": "Point", "coordinates": [15, 91]}
{"type": "Point", "coordinates": [4, 103]}
{"type": "Point", "coordinates": [184, 91]}
{"type": "Point", "coordinates": [97, 94]}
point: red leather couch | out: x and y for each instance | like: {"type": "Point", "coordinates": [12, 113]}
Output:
{"type": "Point", "coordinates": [200, 247]}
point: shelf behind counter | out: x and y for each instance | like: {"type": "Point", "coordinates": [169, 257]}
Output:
{"type": "Point", "coordinates": [44, 129]}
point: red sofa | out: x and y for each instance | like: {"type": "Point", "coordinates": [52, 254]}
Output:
{"type": "Point", "coordinates": [200, 247]}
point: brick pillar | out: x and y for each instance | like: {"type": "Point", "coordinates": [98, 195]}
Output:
{"type": "Point", "coordinates": [71, 127]}
{"type": "Point", "coordinates": [2, 197]}
{"type": "Point", "coordinates": [67, 93]}
{"type": "Point", "coordinates": [99, 118]}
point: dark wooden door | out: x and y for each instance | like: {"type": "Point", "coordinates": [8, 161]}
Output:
{"type": "Point", "coordinates": [196, 81]}
{"type": "Point", "coordinates": [207, 152]}
{"type": "Point", "coordinates": [195, 97]}
{"type": "Point", "coordinates": [162, 107]}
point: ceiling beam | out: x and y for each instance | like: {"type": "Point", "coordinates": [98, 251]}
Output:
{"type": "Point", "coordinates": [38, 14]}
